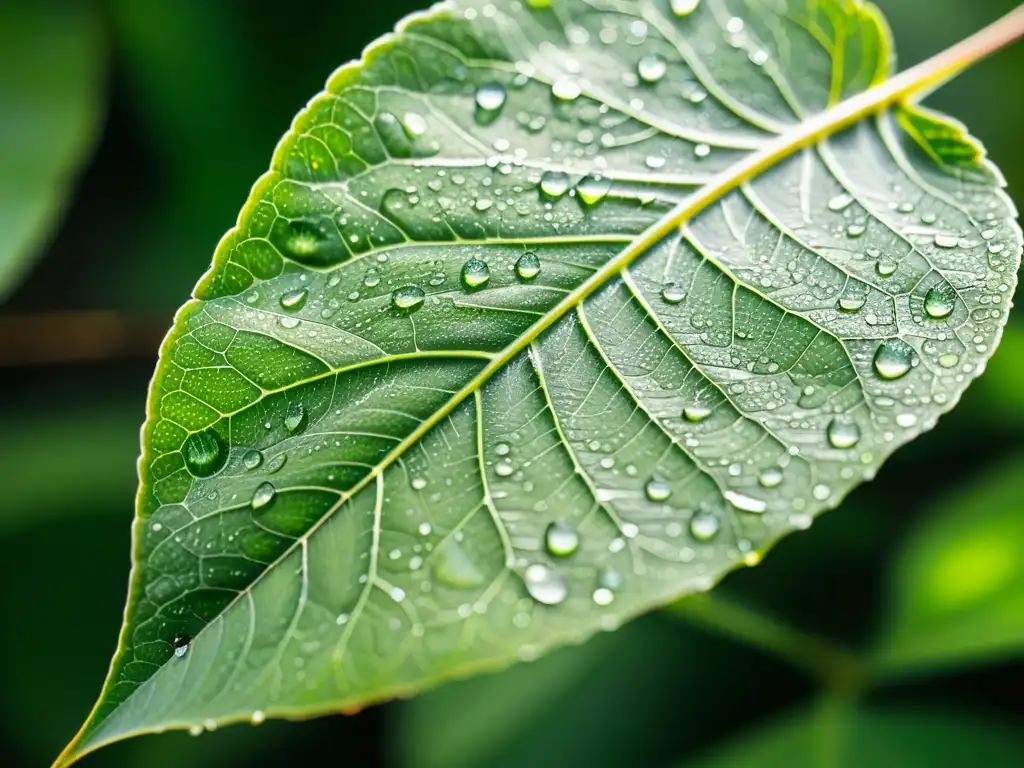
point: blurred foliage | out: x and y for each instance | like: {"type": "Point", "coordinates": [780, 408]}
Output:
{"type": "Point", "coordinates": [926, 560]}
{"type": "Point", "coordinates": [52, 56]}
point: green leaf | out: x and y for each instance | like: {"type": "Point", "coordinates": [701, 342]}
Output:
{"type": "Point", "coordinates": [838, 736]}
{"type": "Point", "coordinates": [51, 87]}
{"type": "Point", "coordinates": [456, 391]}
{"type": "Point", "coordinates": [958, 590]}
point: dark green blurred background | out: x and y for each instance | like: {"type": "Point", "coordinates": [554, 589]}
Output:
{"type": "Point", "coordinates": [930, 555]}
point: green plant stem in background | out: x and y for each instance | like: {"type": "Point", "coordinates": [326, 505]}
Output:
{"type": "Point", "coordinates": [836, 668]}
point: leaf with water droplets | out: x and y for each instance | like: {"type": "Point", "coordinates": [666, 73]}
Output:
{"type": "Point", "coordinates": [51, 89]}
{"type": "Point", "coordinates": [459, 388]}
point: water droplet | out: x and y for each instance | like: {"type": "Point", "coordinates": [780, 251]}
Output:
{"type": "Point", "coordinates": [408, 298]}
{"type": "Point", "coordinates": [593, 189]}
{"type": "Point", "coordinates": [704, 526]}
{"type": "Point", "coordinates": [504, 468]}
{"type": "Point", "coordinates": [843, 433]}
{"type": "Point", "coordinates": [696, 413]}
{"type": "Point", "coordinates": [528, 266]}
{"type": "Point", "coordinates": [946, 241]}
{"type": "Point", "coordinates": [673, 294]}
{"type": "Point", "coordinates": [906, 420]}
{"type": "Point", "coordinates": [893, 359]}
{"type": "Point", "coordinates": [545, 585]}
{"type": "Point", "coordinates": [745, 503]}
{"type": "Point", "coordinates": [821, 492]}
{"type": "Point", "coordinates": [295, 418]}
{"type": "Point", "coordinates": [702, 150]}
{"type": "Point", "coordinates": [657, 490]}
{"type": "Point", "coordinates": [840, 202]}
{"type": "Point", "coordinates": [939, 302]}
{"type": "Point", "coordinates": [294, 300]}
{"type": "Point", "coordinates": [566, 90]}
{"type": "Point", "coordinates": [554, 184]}
{"type": "Point", "coordinates": [277, 463]}
{"type": "Point", "coordinates": [770, 477]}
{"type": "Point", "coordinates": [855, 230]}
{"type": "Point", "coordinates": [885, 267]}
{"type": "Point", "coordinates": [652, 68]}
{"type": "Point", "coordinates": [561, 540]}
{"type": "Point", "coordinates": [603, 596]}
{"type": "Point", "coordinates": [684, 7]}
{"type": "Point", "coordinates": [490, 98]}
{"type": "Point", "coordinates": [503, 449]}
{"type": "Point", "coordinates": [949, 360]}
{"type": "Point", "coordinates": [475, 273]}
{"type": "Point", "coordinates": [257, 717]}
{"type": "Point", "coordinates": [205, 453]}
{"type": "Point", "coordinates": [263, 496]}
{"type": "Point", "coordinates": [852, 302]}
{"type": "Point", "coordinates": [252, 460]}
{"type": "Point", "coordinates": [453, 567]}
{"type": "Point", "coordinates": [180, 645]}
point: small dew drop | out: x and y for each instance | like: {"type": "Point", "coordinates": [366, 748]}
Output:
{"type": "Point", "coordinates": [946, 241]}
{"type": "Point", "coordinates": [840, 202]}
{"type": "Point", "coordinates": [296, 418]}
{"type": "Point", "coordinates": [527, 266]}
{"type": "Point", "coordinates": [939, 302]}
{"type": "Point", "coordinates": [252, 460]}
{"type": "Point", "coordinates": [652, 68]}
{"type": "Point", "coordinates": [673, 294]}
{"type": "Point", "coordinates": [560, 540]}
{"type": "Point", "coordinates": [683, 7]}
{"type": "Point", "coordinates": [843, 433]}
{"type": "Point", "coordinates": [657, 490]}
{"type": "Point", "coordinates": [294, 300]}
{"type": "Point", "coordinates": [770, 477]}
{"type": "Point", "coordinates": [704, 526]}
{"type": "Point", "coordinates": [180, 645]}
{"type": "Point", "coordinates": [257, 717]}
{"type": "Point", "coordinates": [893, 359]}
{"type": "Point", "coordinates": [408, 298]}
{"type": "Point", "coordinates": [545, 585]}
{"type": "Point", "coordinates": [885, 268]}
{"type": "Point", "coordinates": [696, 413]}
{"type": "Point", "coordinates": [475, 274]}
{"type": "Point", "coordinates": [263, 495]}
{"type": "Point", "coordinates": [565, 89]}
{"type": "Point", "coordinates": [490, 98]}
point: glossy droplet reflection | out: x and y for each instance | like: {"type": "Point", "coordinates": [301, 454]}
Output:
{"type": "Point", "coordinates": [657, 489]}
{"type": "Point", "coordinates": [490, 98]}
{"type": "Point", "coordinates": [252, 460]}
{"type": "Point", "coordinates": [545, 584]}
{"type": "Point", "coordinates": [205, 453]}
{"type": "Point", "coordinates": [528, 266]}
{"type": "Point", "coordinates": [408, 298]}
{"type": "Point", "coordinates": [652, 68]}
{"type": "Point", "coordinates": [593, 189]}
{"type": "Point", "coordinates": [560, 540]}
{"type": "Point", "coordinates": [770, 477]}
{"type": "Point", "coordinates": [180, 645]}
{"type": "Point", "coordinates": [696, 413]}
{"type": "Point", "coordinates": [263, 496]}
{"type": "Point", "coordinates": [939, 302]}
{"type": "Point", "coordinates": [704, 526]}
{"type": "Point", "coordinates": [683, 7]}
{"type": "Point", "coordinates": [295, 418]}
{"type": "Point", "coordinates": [893, 359]}
{"type": "Point", "coordinates": [554, 184]}
{"type": "Point", "coordinates": [843, 433]}
{"type": "Point", "coordinates": [294, 300]}
{"type": "Point", "coordinates": [475, 274]}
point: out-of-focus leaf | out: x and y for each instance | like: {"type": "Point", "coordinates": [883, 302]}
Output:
{"type": "Point", "coordinates": [958, 589]}
{"type": "Point", "coordinates": [51, 86]}
{"type": "Point", "coordinates": [459, 388]}
{"type": "Point", "coordinates": [55, 463]}
{"type": "Point", "coordinates": [1002, 386]}
{"type": "Point", "coordinates": [603, 704]}
{"type": "Point", "coordinates": [834, 736]}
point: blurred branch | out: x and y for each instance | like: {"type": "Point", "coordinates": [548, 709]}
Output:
{"type": "Point", "coordinates": [64, 337]}
{"type": "Point", "coordinates": [839, 669]}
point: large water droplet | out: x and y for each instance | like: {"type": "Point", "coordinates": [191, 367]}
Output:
{"type": "Point", "coordinates": [657, 489]}
{"type": "Point", "coordinates": [652, 68]}
{"type": "Point", "coordinates": [295, 418]}
{"type": "Point", "coordinates": [704, 526]}
{"type": "Point", "coordinates": [490, 98]}
{"type": "Point", "coordinates": [252, 460]}
{"type": "Point", "coordinates": [475, 274]}
{"type": "Point", "coordinates": [294, 300]}
{"type": "Point", "coordinates": [770, 477]}
{"type": "Point", "coordinates": [843, 433]}
{"type": "Point", "coordinates": [205, 453]}
{"type": "Point", "coordinates": [593, 189]}
{"type": "Point", "coordinates": [673, 294]}
{"type": "Point", "coordinates": [939, 301]}
{"type": "Point", "coordinates": [684, 7]}
{"type": "Point", "coordinates": [454, 568]}
{"type": "Point", "coordinates": [545, 584]}
{"type": "Point", "coordinates": [528, 266]}
{"type": "Point", "coordinates": [180, 645]}
{"type": "Point", "coordinates": [561, 540]}
{"type": "Point", "coordinates": [893, 358]}
{"type": "Point", "coordinates": [554, 184]}
{"type": "Point", "coordinates": [263, 495]}
{"type": "Point", "coordinates": [408, 298]}
{"type": "Point", "coordinates": [696, 413]}
{"type": "Point", "coordinates": [745, 503]}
